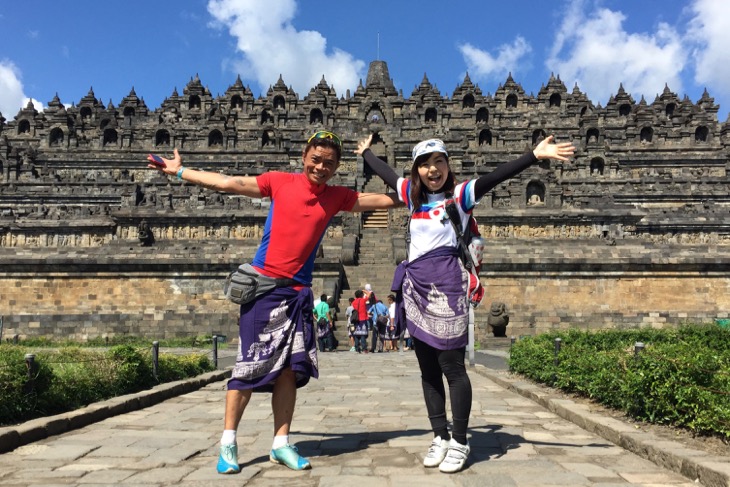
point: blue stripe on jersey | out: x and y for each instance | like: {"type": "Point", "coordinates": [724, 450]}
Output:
{"type": "Point", "coordinates": [465, 199]}
{"type": "Point", "coordinates": [304, 275]}
{"type": "Point", "coordinates": [405, 193]}
{"type": "Point", "coordinates": [425, 210]}
{"type": "Point", "coordinates": [259, 260]}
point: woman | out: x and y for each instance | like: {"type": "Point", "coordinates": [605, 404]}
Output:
{"type": "Point", "coordinates": [348, 313]}
{"type": "Point", "coordinates": [433, 283]}
{"type": "Point", "coordinates": [360, 333]}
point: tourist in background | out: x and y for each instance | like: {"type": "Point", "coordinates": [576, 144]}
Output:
{"type": "Point", "coordinates": [433, 282]}
{"type": "Point", "coordinates": [360, 332]}
{"type": "Point", "coordinates": [350, 326]}
{"type": "Point", "coordinates": [407, 340]}
{"type": "Point", "coordinates": [367, 292]}
{"type": "Point", "coordinates": [323, 319]}
{"type": "Point", "coordinates": [392, 333]}
{"type": "Point", "coordinates": [379, 316]}
{"type": "Point", "coordinates": [372, 328]}
{"type": "Point", "coordinates": [277, 350]}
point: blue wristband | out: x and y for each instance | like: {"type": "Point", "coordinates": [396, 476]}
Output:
{"type": "Point", "coordinates": [179, 173]}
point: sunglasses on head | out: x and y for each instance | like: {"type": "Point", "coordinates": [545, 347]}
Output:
{"type": "Point", "coordinates": [323, 134]}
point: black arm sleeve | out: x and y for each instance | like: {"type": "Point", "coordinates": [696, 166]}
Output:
{"type": "Point", "coordinates": [487, 182]}
{"type": "Point", "coordinates": [381, 168]}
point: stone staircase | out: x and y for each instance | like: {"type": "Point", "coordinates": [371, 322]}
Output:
{"type": "Point", "coordinates": [376, 261]}
{"type": "Point", "coordinates": [377, 219]}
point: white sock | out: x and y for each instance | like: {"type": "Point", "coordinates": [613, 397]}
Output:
{"type": "Point", "coordinates": [280, 441]}
{"type": "Point", "coordinates": [228, 437]}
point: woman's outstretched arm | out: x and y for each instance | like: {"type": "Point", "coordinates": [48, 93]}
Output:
{"type": "Point", "coordinates": [544, 150]}
{"type": "Point", "coordinates": [379, 167]}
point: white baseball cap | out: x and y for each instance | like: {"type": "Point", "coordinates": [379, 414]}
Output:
{"type": "Point", "coordinates": [429, 146]}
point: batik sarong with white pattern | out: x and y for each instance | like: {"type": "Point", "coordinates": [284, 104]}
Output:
{"type": "Point", "coordinates": [434, 294]}
{"type": "Point", "coordinates": [276, 331]}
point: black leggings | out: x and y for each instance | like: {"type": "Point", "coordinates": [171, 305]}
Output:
{"type": "Point", "coordinates": [434, 365]}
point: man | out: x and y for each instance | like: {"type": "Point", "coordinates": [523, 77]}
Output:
{"type": "Point", "coordinates": [323, 319]}
{"type": "Point", "coordinates": [380, 325]}
{"type": "Point", "coordinates": [277, 349]}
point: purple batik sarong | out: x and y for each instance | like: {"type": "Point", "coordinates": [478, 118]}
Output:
{"type": "Point", "coordinates": [275, 332]}
{"type": "Point", "coordinates": [434, 296]}
{"type": "Point", "coordinates": [361, 328]}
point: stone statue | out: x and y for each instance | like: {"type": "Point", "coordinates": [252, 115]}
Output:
{"type": "Point", "coordinates": [498, 318]}
{"type": "Point", "coordinates": [144, 233]}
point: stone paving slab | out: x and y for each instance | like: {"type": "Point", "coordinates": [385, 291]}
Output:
{"type": "Point", "coordinates": [704, 468]}
{"type": "Point", "coordinates": [363, 423]}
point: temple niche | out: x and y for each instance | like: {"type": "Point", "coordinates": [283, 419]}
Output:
{"type": "Point", "coordinates": [597, 166]}
{"type": "Point", "coordinates": [535, 194]}
{"type": "Point", "coordinates": [651, 167]}
{"type": "Point", "coordinates": [375, 115]}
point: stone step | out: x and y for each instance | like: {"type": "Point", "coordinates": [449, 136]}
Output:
{"type": "Point", "coordinates": [375, 224]}
{"type": "Point", "coordinates": [379, 250]}
{"type": "Point", "coordinates": [376, 219]}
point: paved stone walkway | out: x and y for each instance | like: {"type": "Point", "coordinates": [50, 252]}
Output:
{"type": "Point", "coordinates": [363, 423]}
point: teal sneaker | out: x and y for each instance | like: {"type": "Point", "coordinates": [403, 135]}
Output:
{"type": "Point", "coordinates": [228, 460]}
{"type": "Point", "coordinates": [289, 455]}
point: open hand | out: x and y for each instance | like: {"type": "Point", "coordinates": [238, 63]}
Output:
{"type": "Point", "coordinates": [363, 144]}
{"type": "Point", "coordinates": [547, 150]}
{"type": "Point", "coordinates": [171, 165]}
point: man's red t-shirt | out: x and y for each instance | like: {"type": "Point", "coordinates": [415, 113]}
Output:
{"type": "Point", "coordinates": [298, 217]}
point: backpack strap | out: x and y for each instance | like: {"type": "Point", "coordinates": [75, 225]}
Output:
{"type": "Point", "coordinates": [407, 234]}
{"type": "Point", "coordinates": [453, 212]}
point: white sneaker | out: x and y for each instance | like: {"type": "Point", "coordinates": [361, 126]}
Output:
{"type": "Point", "coordinates": [455, 458]}
{"type": "Point", "coordinates": [436, 453]}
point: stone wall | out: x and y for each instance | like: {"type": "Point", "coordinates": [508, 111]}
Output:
{"type": "Point", "coordinates": [152, 291]}
{"type": "Point", "coordinates": [178, 291]}
{"type": "Point", "coordinates": [544, 303]}
{"type": "Point", "coordinates": [83, 307]}
{"type": "Point", "coordinates": [595, 286]}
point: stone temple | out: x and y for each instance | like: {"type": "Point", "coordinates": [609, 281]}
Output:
{"type": "Point", "coordinates": [634, 231]}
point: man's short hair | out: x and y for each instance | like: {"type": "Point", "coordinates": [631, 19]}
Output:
{"type": "Point", "coordinates": [325, 141]}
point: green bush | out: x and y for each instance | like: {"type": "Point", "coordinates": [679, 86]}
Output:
{"type": "Point", "coordinates": [18, 392]}
{"type": "Point", "coordinates": [134, 371]}
{"type": "Point", "coordinates": [684, 385]}
{"type": "Point", "coordinates": [73, 377]}
{"type": "Point", "coordinates": [533, 357]}
{"type": "Point", "coordinates": [104, 342]}
{"type": "Point", "coordinates": [178, 367]}
{"type": "Point", "coordinates": [681, 378]}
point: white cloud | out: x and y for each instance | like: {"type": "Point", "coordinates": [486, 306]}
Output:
{"type": "Point", "coordinates": [12, 98]}
{"type": "Point", "coordinates": [271, 46]}
{"type": "Point", "coordinates": [483, 66]}
{"type": "Point", "coordinates": [709, 30]}
{"type": "Point", "coordinates": [595, 51]}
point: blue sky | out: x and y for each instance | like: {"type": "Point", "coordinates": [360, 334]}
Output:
{"type": "Point", "coordinates": [155, 46]}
